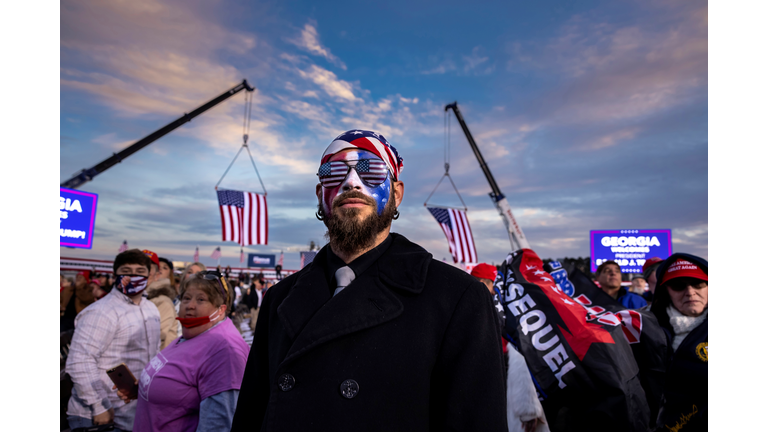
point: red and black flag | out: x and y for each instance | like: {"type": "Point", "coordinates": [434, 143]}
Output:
{"type": "Point", "coordinates": [641, 329]}
{"type": "Point", "coordinates": [581, 363]}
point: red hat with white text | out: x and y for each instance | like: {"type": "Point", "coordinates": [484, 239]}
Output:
{"type": "Point", "coordinates": [683, 268]}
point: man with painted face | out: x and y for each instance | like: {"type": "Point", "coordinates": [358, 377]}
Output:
{"type": "Point", "coordinates": [374, 334]}
{"type": "Point", "coordinates": [122, 327]}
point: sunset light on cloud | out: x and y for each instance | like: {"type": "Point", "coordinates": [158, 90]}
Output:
{"type": "Point", "coordinates": [590, 116]}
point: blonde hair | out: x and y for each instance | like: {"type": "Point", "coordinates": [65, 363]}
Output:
{"type": "Point", "coordinates": [211, 289]}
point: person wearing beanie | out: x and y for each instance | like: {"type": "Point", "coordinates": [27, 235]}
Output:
{"type": "Point", "coordinates": [638, 284]}
{"type": "Point", "coordinates": [374, 334]}
{"type": "Point", "coordinates": [649, 274]}
{"type": "Point", "coordinates": [680, 304]}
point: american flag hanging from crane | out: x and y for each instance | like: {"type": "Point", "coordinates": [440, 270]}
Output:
{"type": "Point", "coordinates": [243, 217]}
{"type": "Point", "coordinates": [456, 228]}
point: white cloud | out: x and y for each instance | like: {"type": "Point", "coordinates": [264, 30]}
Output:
{"type": "Point", "coordinates": [473, 63]}
{"type": "Point", "coordinates": [329, 82]}
{"type": "Point", "coordinates": [309, 41]}
{"type": "Point", "coordinates": [444, 67]}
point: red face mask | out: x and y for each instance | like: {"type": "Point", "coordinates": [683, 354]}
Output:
{"type": "Point", "coordinates": [198, 321]}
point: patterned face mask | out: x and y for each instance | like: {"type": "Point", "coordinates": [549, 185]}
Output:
{"type": "Point", "coordinates": [131, 284]}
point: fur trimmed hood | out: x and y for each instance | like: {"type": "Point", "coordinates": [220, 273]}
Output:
{"type": "Point", "coordinates": [161, 287]}
{"type": "Point", "coordinates": [522, 402]}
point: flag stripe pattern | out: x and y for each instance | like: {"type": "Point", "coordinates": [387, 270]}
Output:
{"type": "Point", "coordinates": [216, 253]}
{"type": "Point", "coordinates": [244, 217]}
{"type": "Point", "coordinates": [455, 226]}
{"type": "Point", "coordinates": [371, 171]}
{"type": "Point", "coordinates": [369, 141]}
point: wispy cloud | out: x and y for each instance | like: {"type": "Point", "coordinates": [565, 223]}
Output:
{"type": "Point", "coordinates": [309, 40]}
{"type": "Point", "coordinates": [477, 63]}
{"type": "Point", "coordinates": [329, 82]}
{"type": "Point", "coordinates": [438, 65]}
{"type": "Point", "coordinates": [618, 73]}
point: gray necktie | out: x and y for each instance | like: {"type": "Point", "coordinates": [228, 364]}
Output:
{"type": "Point", "coordinates": [344, 276]}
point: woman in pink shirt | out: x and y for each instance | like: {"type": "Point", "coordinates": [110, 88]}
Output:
{"type": "Point", "coordinates": [193, 384]}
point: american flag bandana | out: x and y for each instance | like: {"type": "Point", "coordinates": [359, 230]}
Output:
{"type": "Point", "coordinates": [370, 141]}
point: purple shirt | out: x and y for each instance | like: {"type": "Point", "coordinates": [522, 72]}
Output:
{"type": "Point", "coordinates": [173, 384]}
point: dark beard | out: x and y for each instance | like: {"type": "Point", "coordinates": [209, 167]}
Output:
{"type": "Point", "coordinates": [349, 235]}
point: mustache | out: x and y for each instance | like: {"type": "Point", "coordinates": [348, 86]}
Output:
{"type": "Point", "coordinates": [353, 194]}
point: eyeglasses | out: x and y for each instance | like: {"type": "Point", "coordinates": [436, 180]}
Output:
{"type": "Point", "coordinates": [215, 275]}
{"type": "Point", "coordinates": [373, 172]}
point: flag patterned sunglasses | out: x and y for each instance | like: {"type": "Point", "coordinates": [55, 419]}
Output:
{"type": "Point", "coordinates": [372, 172]}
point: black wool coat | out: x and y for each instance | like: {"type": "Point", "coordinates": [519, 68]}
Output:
{"type": "Point", "coordinates": [412, 344]}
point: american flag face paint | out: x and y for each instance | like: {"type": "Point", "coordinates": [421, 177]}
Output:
{"type": "Point", "coordinates": [368, 170]}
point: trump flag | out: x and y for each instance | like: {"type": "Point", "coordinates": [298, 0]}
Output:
{"type": "Point", "coordinates": [455, 226]}
{"type": "Point", "coordinates": [578, 356]}
{"type": "Point", "coordinates": [243, 217]}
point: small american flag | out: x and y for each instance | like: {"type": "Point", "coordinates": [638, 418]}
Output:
{"type": "Point", "coordinates": [456, 229]}
{"type": "Point", "coordinates": [280, 261]}
{"type": "Point", "coordinates": [196, 256]}
{"type": "Point", "coordinates": [243, 217]}
{"type": "Point", "coordinates": [216, 253]}
{"type": "Point", "coordinates": [242, 255]}
{"type": "Point", "coordinates": [307, 257]}
{"type": "Point", "coordinates": [123, 247]}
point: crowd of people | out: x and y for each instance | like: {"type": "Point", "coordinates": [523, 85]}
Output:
{"type": "Point", "coordinates": [118, 328]}
{"type": "Point", "coordinates": [373, 334]}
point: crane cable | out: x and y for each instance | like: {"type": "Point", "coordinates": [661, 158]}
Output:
{"type": "Point", "coordinates": [246, 130]}
{"type": "Point", "coordinates": [447, 161]}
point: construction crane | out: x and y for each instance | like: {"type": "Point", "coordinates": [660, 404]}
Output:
{"type": "Point", "coordinates": [87, 175]}
{"type": "Point", "coordinates": [516, 236]}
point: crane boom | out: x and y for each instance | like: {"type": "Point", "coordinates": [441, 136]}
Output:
{"type": "Point", "coordinates": [87, 175]}
{"type": "Point", "coordinates": [516, 237]}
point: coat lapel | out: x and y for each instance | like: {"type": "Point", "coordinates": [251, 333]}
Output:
{"type": "Point", "coordinates": [364, 303]}
{"type": "Point", "coordinates": [311, 317]}
{"type": "Point", "coordinates": [309, 294]}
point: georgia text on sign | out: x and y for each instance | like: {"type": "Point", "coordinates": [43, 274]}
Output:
{"type": "Point", "coordinates": [67, 205]}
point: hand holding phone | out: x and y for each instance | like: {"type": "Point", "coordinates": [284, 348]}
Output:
{"type": "Point", "coordinates": [124, 381]}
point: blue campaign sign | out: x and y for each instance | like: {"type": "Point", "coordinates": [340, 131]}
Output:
{"type": "Point", "coordinates": [261, 260]}
{"type": "Point", "coordinates": [77, 214]}
{"type": "Point", "coordinates": [629, 248]}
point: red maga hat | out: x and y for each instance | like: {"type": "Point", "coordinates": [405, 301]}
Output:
{"type": "Point", "coordinates": [683, 268]}
{"type": "Point", "coordinates": [484, 271]}
{"type": "Point", "coordinates": [651, 261]}
{"type": "Point", "coordinates": [152, 256]}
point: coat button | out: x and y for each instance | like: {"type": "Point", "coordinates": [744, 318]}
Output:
{"type": "Point", "coordinates": [286, 382]}
{"type": "Point", "coordinates": [349, 388]}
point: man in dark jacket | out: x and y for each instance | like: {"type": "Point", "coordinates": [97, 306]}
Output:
{"type": "Point", "coordinates": [609, 277]}
{"type": "Point", "coordinates": [374, 334]}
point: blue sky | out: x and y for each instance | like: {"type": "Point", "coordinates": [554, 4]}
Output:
{"type": "Point", "coordinates": [591, 115]}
